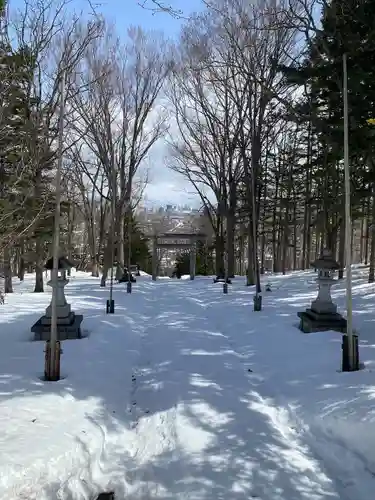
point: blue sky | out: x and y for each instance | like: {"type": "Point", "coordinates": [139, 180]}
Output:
{"type": "Point", "coordinates": [165, 186]}
{"type": "Point", "coordinates": [127, 12]}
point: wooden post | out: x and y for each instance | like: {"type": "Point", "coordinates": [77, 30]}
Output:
{"type": "Point", "coordinates": [53, 366]}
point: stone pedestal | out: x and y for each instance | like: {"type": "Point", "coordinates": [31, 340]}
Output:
{"type": "Point", "coordinates": [322, 314]}
{"type": "Point", "coordinates": [68, 323]}
{"type": "Point", "coordinates": [311, 321]}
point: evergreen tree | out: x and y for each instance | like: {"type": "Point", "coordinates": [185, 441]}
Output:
{"type": "Point", "coordinates": [16, 176]}
{"type": "Point", "coordinates": [204, 264]}
{"type": "Point", "coordinates": [140, 253]}
{"type": "Point", "coordinates": [139, 249]}
{"type": "Point", "coordinates": [348, 27]}
{"type": "Point", "coordinates": [182, 264]}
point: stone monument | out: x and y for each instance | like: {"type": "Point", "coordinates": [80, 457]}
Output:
{"type": "Point", "coordinates": [322, 314]}
{"type": "Point", "coordinates": [68, 323]}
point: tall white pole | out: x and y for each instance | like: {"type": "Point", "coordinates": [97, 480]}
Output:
{"type": "Point", "coordinates": [53, 366]}
{"type": "Point", "coordinates": [348, 223]}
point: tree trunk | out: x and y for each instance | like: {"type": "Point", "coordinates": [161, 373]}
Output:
{"type": "Point", "coordinates": [39, 285]}
{"type": "Point", "coordinates": [371, 276]}
{"type": "Point", "coordinates": [94, 267]}
{"type": "Point", "coordinates": [21, 262]}
{"type": "Point", "coordinates": [231, 226]}
{"type": "Point", "coordinates": [70, 234]}
{"type": "Point", "coordinates": [39, 254]}
{"type": "Point", "coordinates": [295, 241]}
{"type": "Point", "coordinates": [103, 280]}
{"type": "Point", "coordinates": [285, 238]}
{"type": "Point", "coordinates": [263, 249]}
{"type": "Point", "coordinates": [274, 227]}
{"type": "Point", "coordinates": [341, 258]}
{"type": "Point", "coordinates": [230, 243]}
{"type": "Point", "coordinates": [8, 285]}
{"type": "Point", "coordinates": [219, 254]}
{"type": "Point", "coordinates": [219, 246]}
{"type": "Point", "coordinates": [91, 230]}
{"type": "Point", "coordinates": [367, 236]}
{"type": "Point", "coordinates": [21, 268]}
{"type": "Point", "coordinates": [362, 230]}
{"type": "Point", "coordinates": [250, 275]}
{"type": "Point", "coordinates": [107, 262]}
{"type": "Point", "coordinates": [120, 236]}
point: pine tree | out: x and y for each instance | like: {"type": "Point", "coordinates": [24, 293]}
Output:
{"type": "Point", "coordinates": [182, 264]}
{"type": "Point", "coordinates": [15, 121]}
{"type": "Point", "coordinates": [139, 248]}
{"type": "Point", "coordinates": [348, 27]}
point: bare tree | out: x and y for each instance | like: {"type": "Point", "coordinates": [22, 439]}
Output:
{"type": "Point", "coordinates": [53, 43]}
{"type": "Point", "coordinates": [89, 180]}
{"type": "Point", "coordinates": [158, 6]}
{"type": "Point", "coordinates": [121, 115]}
{"type": "Point", "coordinates": [205, 150]}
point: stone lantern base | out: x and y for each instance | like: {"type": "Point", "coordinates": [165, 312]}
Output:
{"type": "Point", "coordinates": [67, 328]}
{"type": "Point", "coordinates": [313, 321]}
{"type": "Point", "coordinates": [68, 323]}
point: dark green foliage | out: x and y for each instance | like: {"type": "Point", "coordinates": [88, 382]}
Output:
{"type": "Point", "coordinates": [182, 264]}
{"type": "Point", "coordinates": [14, 120]}
{"type": "Point", "coordinates": [20, 145]}
{"type": "Point", "coordinates": [140, 251]}
{"type": "Point", "coordinates": [204, 264]}
{"type": "Point", "coordinates": [347, 27]}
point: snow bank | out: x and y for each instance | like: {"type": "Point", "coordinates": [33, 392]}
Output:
{"type": "Point", "coordinates": [143, 273]}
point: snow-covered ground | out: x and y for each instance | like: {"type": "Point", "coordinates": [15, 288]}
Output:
{"type": "Point", "coordinates": [186, 393]}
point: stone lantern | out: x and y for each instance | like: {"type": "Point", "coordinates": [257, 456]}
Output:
{"type": "Point", "coordinates": [68, 323]}
{"type": "Point", "coordinates": [322, 314]}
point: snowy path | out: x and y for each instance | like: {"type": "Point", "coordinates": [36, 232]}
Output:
{"type": "Point", "coordinates": [183, 393]}
{"type": "Point", "coordinates": [203, 428]}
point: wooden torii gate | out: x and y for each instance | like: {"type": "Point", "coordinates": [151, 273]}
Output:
{"type": "Point", "coordinates": [176, 240]}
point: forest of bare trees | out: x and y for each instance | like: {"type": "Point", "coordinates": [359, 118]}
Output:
{"type": "Point", "coordinates": [257, 99]}
{"type": "Point", "coordinates": [246, 117]}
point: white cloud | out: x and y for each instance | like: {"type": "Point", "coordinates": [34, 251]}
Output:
{"type": "Point", "coordinates": [167, 192]}
{"type": "Point", "coordinates": [165, 185]}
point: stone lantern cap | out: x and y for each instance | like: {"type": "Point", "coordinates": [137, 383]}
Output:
{"type": "Point", "coordinates": [63, 264]}
{"type": "Point", "coordinates": [325, 261]}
